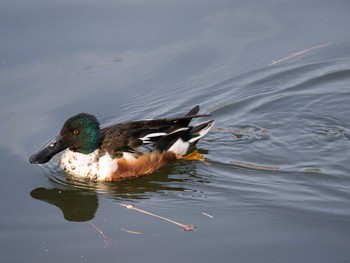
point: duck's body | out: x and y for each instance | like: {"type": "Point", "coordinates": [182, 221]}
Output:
{"type": "Point", "coordinates": [122, 150]}
{"type": "Point", "coordinates": [104, 168]}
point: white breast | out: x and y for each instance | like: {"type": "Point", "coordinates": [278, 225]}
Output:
{"type": "Point", "coordinates": [88, 166]}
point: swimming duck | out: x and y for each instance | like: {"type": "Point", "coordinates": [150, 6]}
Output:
{"type": "Point", "coordinates": [123, 150]}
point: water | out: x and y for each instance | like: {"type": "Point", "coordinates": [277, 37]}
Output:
{"type": "Point", "coordinates": [275, 184]}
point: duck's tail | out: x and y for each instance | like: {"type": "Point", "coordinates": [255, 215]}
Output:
{"type": "Point", "coordinates": [176, 134]}
{"type": "Point", "coordinates": [190, 137]}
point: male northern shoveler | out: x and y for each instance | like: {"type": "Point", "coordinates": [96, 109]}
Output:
{"type": "Point", "coordinates": [122, 150]}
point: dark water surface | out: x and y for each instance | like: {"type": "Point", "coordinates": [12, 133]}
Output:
{"type": "Point", "coordinates": [275, 75]}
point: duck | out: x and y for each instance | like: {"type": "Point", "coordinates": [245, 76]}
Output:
{"type": "Point", "coordinates": [124, 150]}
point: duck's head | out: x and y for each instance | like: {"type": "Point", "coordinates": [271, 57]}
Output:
{"type": "Point", "coordinates": [80, 133]}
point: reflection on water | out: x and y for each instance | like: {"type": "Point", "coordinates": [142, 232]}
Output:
{"type": "Point", "coordinates": [78, 199]}
{"type": "Point", "coordinates": [76, 205]}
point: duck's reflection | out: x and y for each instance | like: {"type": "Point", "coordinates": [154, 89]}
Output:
{"type": "Point", "coordinates": [76, 205]}
{"type": "Point", "coordinates": [80, 204]}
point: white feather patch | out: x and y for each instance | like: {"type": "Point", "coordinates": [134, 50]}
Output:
{"type": "Point", "coordinates": [105, 167]}
{"type": "Point", "coordinates": [146, 138]}
{"type": "Point", "coordinates": [88, 165]}
{"type": "Point", "coordinates": [180, 147]}
{"type": "Point", "coordinates": [128, 156]}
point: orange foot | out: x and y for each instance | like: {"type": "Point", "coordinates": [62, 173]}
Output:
{"type": "Point", "coordinates": [193, 156]}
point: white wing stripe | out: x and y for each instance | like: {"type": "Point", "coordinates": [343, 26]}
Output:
{"type": "Point", "coordinates": [151, 135]}
{"type": "Point", "coordinates": [158, 134]}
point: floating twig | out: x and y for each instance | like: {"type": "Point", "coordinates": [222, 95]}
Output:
{"type": "Point", "coordinates": [184, 227]}
{"type": "Point", "coordinates": [256, 166]}
{"type": "Point", "coordinates": [298, 53]}
{"type": "Point", "coordinates": [207, 215]}
{"type": "Point", "coordinates": [131, 232]}
{"type": "Point", "coordinates": [101, 234]}
{"type": "Point", "coordinates": [97, 67]}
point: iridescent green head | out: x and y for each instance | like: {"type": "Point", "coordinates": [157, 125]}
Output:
{"type": "Point", "coordinates": [81, 133]}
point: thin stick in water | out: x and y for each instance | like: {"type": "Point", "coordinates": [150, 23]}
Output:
{"type": "Point", "coordinates": [298, 53]}
{"type": "Point", "coordinates": [131, 232]}
{"type": "Point", "coordinates": [100, 232]}
{"type": "Point", "coordinates": [204, 213]}
{"type": "Point", "coordinates": [184, 227]}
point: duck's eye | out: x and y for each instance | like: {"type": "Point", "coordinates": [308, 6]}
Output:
{"type": "Point", "coordinates": [76, 132]}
